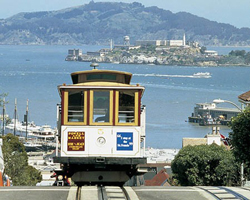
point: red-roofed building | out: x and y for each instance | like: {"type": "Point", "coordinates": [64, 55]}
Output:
{"type": "Point", "coordinates": [159, 179]}
{"type": "Point", "coordinates": [245, 98]}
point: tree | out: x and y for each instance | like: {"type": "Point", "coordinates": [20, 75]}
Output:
{"type": "Point", "coordinates": [205, 165]}
{"type": "Point", "coordinates": [240, 53]}
{"type": "Point", "coordinates": [31, 176]}
{"type": "Point", "coordinates": [203, 49]}
{"type": "Point", "coordinates": [247, 58]}
{"type": "Point", "coordinates": [240, 138]}
{"type": "Point", "coordinates": [16, 162]}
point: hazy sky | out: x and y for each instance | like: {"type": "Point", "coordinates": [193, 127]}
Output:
{"type": "Point", "coordinates": [234, 12]}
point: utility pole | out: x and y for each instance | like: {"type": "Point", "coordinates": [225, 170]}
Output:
{"type": "Point", "coordinates": [242, 174]}
{"type": "Point", "coordinates": [15, 117]}
{"type": "Point", "coordinates": [3, 116]}
{"type": "Point", "coordinates": [26, 118]}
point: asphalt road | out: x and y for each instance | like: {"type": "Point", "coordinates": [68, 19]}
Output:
{"type": "Point", "coordinates": [135, 193]}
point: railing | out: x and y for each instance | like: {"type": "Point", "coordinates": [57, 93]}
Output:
{"type": "Point", "coordinates": [126, 116]}
{"type": "Point", "coordinates": [75, 113]}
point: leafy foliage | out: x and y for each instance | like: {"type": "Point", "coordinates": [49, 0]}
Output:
{"type": "Point", "coordinates": [247, 58]}
{"type": "Point", "coordinates": [16, 162]}
{"type": "Point", "coordinates": [203, 49]}
{"type": "Point", "coordinates": [205, 165]}
{"type": "Point", "coordinates": [241, 53]}
{"type": "Point", "coordinates": [240, 138]}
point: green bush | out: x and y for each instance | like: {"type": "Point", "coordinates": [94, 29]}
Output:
{"type": "Point", "coordinates": [208, 165]}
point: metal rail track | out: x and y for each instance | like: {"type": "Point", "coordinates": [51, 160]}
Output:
{"type": "Point", "coordinates": [103, 193]}
{"type": "Point", "coordinates": [78, 193]}
{"type": "Point", "coordinates": [237, 195]}
{"type": "Point", "coordinates": [244, 188]}
{"type": "Point", "coordinates": [223, 193]}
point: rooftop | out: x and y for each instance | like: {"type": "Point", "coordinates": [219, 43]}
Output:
{"type": "Point", "coordinates": [245, 96]}
{"type": "Point", "coordinates": [101, 75]}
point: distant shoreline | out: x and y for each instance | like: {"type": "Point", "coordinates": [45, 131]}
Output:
{"type": "Point", "coordinates": [186, 65]}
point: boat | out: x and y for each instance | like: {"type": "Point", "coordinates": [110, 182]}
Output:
{"type": "Point", "coordinates": [44, 133]}
{"type": "Point", "coordinates": [202, 75]}
{"type": "Point", "coordinates": [208, 120]}
{"type": "Point", "coordinates": [31, 127]}
{"type": "Point", "coordinates": [14, 124]}
{"type": "Point", "coordinates": [21, 126]}
{"type": "Point", "coordinates": [32, 146]}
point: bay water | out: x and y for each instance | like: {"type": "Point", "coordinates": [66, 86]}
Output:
{"type": "Point", "coordinates": [34, 72]}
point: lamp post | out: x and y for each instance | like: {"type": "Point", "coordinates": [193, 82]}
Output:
{"type": "Point", "coordinates": [226, 101]}
{"type": "Point", "coordinates": [242, 164]}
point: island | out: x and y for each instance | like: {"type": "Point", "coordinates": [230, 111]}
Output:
{"type": "Point", "coordinates": [161, 52]}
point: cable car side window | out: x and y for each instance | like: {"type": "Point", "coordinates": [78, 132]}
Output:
{"type": "Point", "coordinates": [101, 108]}
{"type": "Point", "coordinates": [76, 106]}
{"type": "Point", "coordinates": [75, 111]}
{"type": "Point", "coordinates": [127, 108]}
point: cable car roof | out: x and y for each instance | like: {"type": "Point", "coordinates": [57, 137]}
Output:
{"type": "Point", "coordinates": [101, 85]}
{"type": "Point", "coordinates": [96, 75]}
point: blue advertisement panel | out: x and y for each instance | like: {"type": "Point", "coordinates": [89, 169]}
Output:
{"type": "Point", "coordinates": [124, 141]}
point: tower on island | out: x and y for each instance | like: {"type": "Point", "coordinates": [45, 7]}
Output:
{"type": "Point", "coordinates": [184, 40]}
{"type": "Point", "coordinates": [126, 41]}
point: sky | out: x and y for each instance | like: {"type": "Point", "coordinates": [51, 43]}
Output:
{"type": "Point", "coordinates": [234, 12]}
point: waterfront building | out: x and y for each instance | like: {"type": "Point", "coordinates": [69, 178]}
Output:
{"type": "Point", "coordinates": [151, 42]}
{"type": "Point", "coordinates": [134, 47]}
{"type": "Point", "coordinates": [176, 43]}
{"type": "Point", "coordinates": [202, 109]}
{"type": "Point", "coordinates": [121, 47]}
{"type": "Point", "coordinates": [210, 53]}
{"type": "Point", "coordinates": [93, 53]}
{"type": "Point", "coordinates": [210, 114]}
{"type": "Point", "coordinates": [171, 43]}
{"type": "Point", "coordinates": [104, 51]}
{"type": "Point", "coordinates": [74, 52]}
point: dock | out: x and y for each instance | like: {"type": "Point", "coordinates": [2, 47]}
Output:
{"type": "Point", "coordinates": [209, 114]}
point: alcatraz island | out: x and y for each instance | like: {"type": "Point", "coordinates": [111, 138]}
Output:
{"type": "Point", "coordinates": [161, 52]}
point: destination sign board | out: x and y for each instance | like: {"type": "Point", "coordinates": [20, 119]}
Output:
{"type": "Point", "coordinates": [76, 141]}
{"type": "Point", "coordinates": [124, 141]}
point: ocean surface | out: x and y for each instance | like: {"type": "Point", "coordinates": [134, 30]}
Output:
{"type": "Point", "coordinates": [34, 72]}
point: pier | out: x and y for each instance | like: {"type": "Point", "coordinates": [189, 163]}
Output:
{"type": "Point", "coordinates": [209, 114]}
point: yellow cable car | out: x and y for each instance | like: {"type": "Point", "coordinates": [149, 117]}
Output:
{"type": "Point", "coordinates": [101, 124]}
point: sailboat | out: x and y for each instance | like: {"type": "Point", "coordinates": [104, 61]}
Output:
{"type": "Point", "coordinates": [15, 124]}
{"type": "Point", "coordinates": [3, 117]}
{"type": "Point", "coordinates": [35, 136]}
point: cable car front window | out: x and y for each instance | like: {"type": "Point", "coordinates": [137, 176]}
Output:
{"type": "Point", "coordinates": [126, 107]}
{"type": "Point", "coordinates": [101, 106]}
{"type": "Point", "coordinates": [76, 106]}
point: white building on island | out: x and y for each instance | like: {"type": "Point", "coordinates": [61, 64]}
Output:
{"type": "Point", "coordinates": [171, 43]}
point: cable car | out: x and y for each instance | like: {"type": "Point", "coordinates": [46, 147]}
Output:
{"type": "Point", "coordinates": [101, 128]}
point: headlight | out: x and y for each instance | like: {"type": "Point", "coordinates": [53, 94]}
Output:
{"type": "Point", "coordinates": [101, 140]}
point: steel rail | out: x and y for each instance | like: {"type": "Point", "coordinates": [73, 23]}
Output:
{"type": "Point", "coordinates": [236, 194]}
{"type": "Point", "coordinates": [217, 193]}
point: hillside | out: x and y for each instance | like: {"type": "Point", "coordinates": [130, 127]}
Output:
{"type": "Point", "coordinates": [97, 23]}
